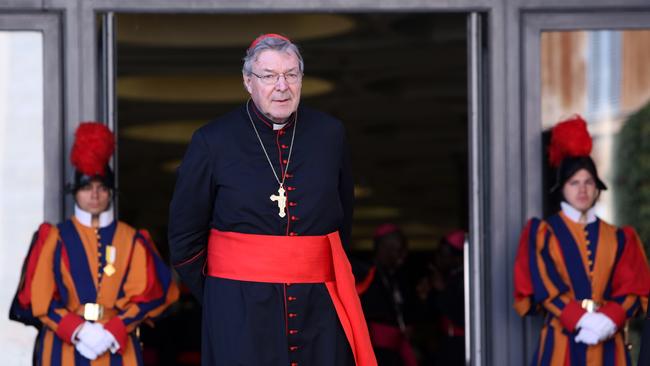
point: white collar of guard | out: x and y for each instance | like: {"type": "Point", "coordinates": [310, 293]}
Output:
{"type": "Point", "coordinates": [573, 214]}
{"type": "Point", "coordinates": [85, 218]}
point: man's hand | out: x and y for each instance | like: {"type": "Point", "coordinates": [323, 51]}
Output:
{"type": "Point", "coordinates": [595, 324]}
{"type": "Point", "coordinates": [93, 339]}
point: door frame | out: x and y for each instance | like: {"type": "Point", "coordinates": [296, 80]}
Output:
{"type": "Point", "coordinates": [49, 26]}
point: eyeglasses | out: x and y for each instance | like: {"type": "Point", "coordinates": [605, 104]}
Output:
{"type": "Point", "coordinates": [272, 79]}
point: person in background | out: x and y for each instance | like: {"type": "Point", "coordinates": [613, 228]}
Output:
{"type": "Point", "coordinates": [90, 281]}
{"type": "Point", "coordinates": [385, 299]}
{"type": "Point", "coordinates": [584, 275]}
{"type": "Point", "coordinates": [441, 292]}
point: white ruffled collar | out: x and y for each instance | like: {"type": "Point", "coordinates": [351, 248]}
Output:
{"type": "Point", "coordinates": [574, 215]}
{"type": "Point", "coordinates": [85, 218]}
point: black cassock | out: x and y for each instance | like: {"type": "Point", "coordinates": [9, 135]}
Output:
{"type": "Point", "coordinates": [225, 182]}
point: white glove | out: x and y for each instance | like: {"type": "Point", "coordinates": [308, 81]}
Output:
{"type": "Point", "coordinates": [597, 323]}
{"type": "Point", "coordinates": [85, 351]}
{"type": "Point", "coordinates": [606, 326]}
{"type": "Point", "coordinates": [587, 320]}
{"type": "Point", "coordinates": [587, 336]}
{"type": "Point", "coordinates": [114, 346]}
{"type": "Point", "coordinates": [93, 336]}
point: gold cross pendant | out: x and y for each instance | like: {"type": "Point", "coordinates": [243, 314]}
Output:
{"type": "Point", "coordinates": [281, 200]}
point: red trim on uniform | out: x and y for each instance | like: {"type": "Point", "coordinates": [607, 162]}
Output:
{"type": "Point", "coordinates": [25, 293]}
{"type": "Point", "coordinates": [297, 259]}
{"type": "Point", "coordinates": [367, 281]}
{"type": "Point", "coordinates": [281, 162]}
{"type": "Point", "coordinates": [523, 283]}
{"type": "Point", "coordinates": [67, 326]}
{"type": "Point", "coordinates": [614, 311]}
{"type": "Point", "coordinates": [571, 314]}
{"type": "Point", "coordinates": [118, 330]}
{"type": "Point", "coordinates": [154, 289]}
{"type": "Point", "coordinates": [260, 117]}
{"type": "Point", "coordinates": [192, 259]}
{"type": "Point", "coordinates": [631, 275]}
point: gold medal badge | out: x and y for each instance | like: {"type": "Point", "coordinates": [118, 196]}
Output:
{"type": "Point", "coordinates": [109, 268]}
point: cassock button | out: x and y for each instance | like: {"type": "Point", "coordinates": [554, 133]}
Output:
{"type": "Point", "coordinates": [293, 204]}
{"type": "Point", "coordinates": [294, 364]}
{"type": "Point", "coordinates": [293, 331]}
{"type": "Point", "coordinates": [295, 218]}
{"type": "Point", "coordinates": [293, 348]}
{"type": "Point", "coordinates": [590, 263]}
{"type": "Point", "coordinates": [289, 175]}
{"type": "Point", "coordinates": [291, 298]}
{"type": "Point", "coordinates": [293, 234]}
{"type": "Point", "coordinates": [292, 315]}
{"type": "Point", "coordinates": [289, 188]}
{"type": "Point", "coordinates": [280, 132]}
{"type": "Point", "coordinates": [284, 161]}
{"type": "Point", "coordinates": [284, 146]}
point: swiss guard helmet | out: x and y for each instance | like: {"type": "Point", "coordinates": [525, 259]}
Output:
{"type": "Point", "coordinates": [569, 152]}
{"type": "Point", "coordinates": [93, 147]}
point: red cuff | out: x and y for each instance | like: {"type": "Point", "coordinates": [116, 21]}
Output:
{"type": "Point", "coordinates": [118, 330]}
{"type": "Point", "coordinates": [571, 314]}
{"type": "Point", "coordinates": [68, 325]}
{"type": "Point", "coordinates": [615, 312]}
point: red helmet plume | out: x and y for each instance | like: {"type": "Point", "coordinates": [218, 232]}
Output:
{"type": "Point", "coordinates": [93, 145]}
{"type": "Point", "coordinates": [569, 138]}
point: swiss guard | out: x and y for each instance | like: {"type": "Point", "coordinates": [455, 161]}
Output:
{"type": "Point", "coordinates": [584, 275]}
{"type": "Point", "coordinates": [260, 216]}
{"type": "Point", "coordinates": [90, 281]}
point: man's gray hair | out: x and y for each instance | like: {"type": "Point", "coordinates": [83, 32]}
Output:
{"type": "Point", "coordinates": [270, 43]}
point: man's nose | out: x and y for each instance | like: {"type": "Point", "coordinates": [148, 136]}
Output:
{"type": "Point", "coordinates": [281, 84]}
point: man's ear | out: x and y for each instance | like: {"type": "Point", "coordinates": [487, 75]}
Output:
{"type": "Point", "coordinates": [247, 83]}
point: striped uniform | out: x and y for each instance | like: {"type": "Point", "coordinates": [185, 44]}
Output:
{"type": "Point", "coordinates": [559, 263]}
{"type": "Point", "coordinates": [64, 271]}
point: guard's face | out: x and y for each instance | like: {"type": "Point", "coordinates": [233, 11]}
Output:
{"type": "Point", "coordinates": [580, 191]}
{"type": "Point", "coordinates": [93, 198]}
{"type": "Point", "coordinates": [279, 99]}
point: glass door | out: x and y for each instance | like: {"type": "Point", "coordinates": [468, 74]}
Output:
{"type": "Point", "coordinates": [598, 66]}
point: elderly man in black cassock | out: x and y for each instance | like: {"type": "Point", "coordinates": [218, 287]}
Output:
{"type": "Point", "coordinates": [259, 219]}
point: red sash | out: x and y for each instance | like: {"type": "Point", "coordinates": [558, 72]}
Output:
{"type": "Point", "coordinates": [296, 259]}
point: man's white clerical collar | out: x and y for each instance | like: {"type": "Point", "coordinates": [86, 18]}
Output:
{"type": "Point", "coordinates": [85, 218]}
{"type": "Point", "coordinates": [574, 215]}
{"type": "Point", "coordinates": [278, 126]}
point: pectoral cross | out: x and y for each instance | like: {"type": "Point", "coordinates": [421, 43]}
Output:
{"type": "Point", "coordinates": [282, 201]}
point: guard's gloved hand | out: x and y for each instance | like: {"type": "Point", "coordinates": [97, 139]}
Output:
{"type": "Point", "coordinates": [94, 338]}
{"type": "Point", "coordinates": [604, 326]}
{"type": "Point", "coordinates": [85, 351]}
{"type": "Point", "coordinates": [597, 323]}
{"type": "Point", "coordinates": [113, 345]}
{"type": "Point", "coordinates": [587, 336]}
